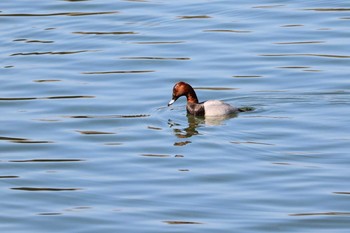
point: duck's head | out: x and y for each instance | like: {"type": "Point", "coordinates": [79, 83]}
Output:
{"type": "Point", "coordinates": [183, 89]}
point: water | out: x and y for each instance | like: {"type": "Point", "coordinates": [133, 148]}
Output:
{"type": "Point", "coordinates": [88, 144]}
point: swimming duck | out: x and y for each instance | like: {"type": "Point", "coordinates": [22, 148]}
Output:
{"type": "Point", "coordinates": [206, 108]}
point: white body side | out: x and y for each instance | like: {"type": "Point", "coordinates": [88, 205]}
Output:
{"type": "Point", "coordinates": [218, 108]}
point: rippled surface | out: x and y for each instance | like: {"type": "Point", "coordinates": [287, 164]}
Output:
{"type": "Point", "coordinates": [88, 144]}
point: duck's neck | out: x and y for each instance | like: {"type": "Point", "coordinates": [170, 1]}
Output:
{"type": "Point", "coordinates": [191, 96]}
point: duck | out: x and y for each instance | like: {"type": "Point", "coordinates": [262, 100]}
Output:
{"type": "Point", "coordinates": [209, 108]}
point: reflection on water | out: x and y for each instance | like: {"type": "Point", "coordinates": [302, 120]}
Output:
{"type": "Point", "coordinates": [189, 131]}
{"type": "Point", "coordinates": [89, 132]}
{"type": "Point", "coordinates": [184, 143]}
{"type": "Point", "coordinates": [218, 120]}
{"type": "Point", "coordinates": [195, 122]}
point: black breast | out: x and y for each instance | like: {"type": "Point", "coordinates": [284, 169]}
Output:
{"type": "Point", "coordinates": [195, 109]}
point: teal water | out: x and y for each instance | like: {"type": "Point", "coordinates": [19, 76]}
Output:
{"type": "Point", "coordinates": [88, 143]}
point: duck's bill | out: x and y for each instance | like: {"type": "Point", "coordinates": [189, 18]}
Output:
{"type": "Point", "coordinates": [171, 102]}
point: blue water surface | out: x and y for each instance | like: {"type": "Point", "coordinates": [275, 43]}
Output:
{"type": "Point", "coordinates": [88, 143]}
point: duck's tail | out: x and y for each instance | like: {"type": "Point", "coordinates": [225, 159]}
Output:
{"type": "Point", "coordinates": [246, 109]}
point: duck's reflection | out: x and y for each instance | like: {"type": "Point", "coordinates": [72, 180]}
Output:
{"type": "Point", "coordinates": [190, 130]}
{"type": "Point", "coordinates": [194, 123]}
{"type": "Point", "coordinates": [218, 120]}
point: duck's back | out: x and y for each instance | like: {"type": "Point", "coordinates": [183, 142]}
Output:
{"type": "Point", "coordinates": [218, 108]}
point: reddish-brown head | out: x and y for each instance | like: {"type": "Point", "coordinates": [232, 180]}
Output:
{"type": "Point", "coordinates": [183, 89]}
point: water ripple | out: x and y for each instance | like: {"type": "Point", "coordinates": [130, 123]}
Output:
{"type": "Point", "coordinates": [227, 30]}
{"type": "Point", "coordinates": [49, 214]}
{"type": "Point", "coordinates": [34, 41]}
{"type": "Point", "coordinates": [328, 9]}
{"type": "Point", "coordinates": [159, 42]}
{"type": "Point", "coordinates": [181, 222]}
{"type": "Point", "coordinates": [216, 88]}
{"type": "Point", "coordinates": [194, 17]}
{"type": "Point", "coordinates": [59, 14]}
{"type": "Point", "coordinates": [299, 42]}
{"type": "Point", "coordinates": [305, 55]}
{"type": "Point", "coordinates": [46, 161]}
{"type": "Point", "coordinates": [342, 193]}
{"type": "Point", "coordinates": [106, 33]}
{"type": "Point", "coordinates": [252, 142]}
{"type": "Point", "coordinates": [46, 80]}
{"type": "Point", "coordinates": [321, 214]}
{"type": "Point", "coordinates": [268, 6]}
{"type": "Point", "coordinates": [157, 58]}
{"type": "Point", "coordinates": [247, 76]}
{"type": "Point", "coordinates": [119, 72]}
{"type": "Point", "coordinates": [292, 25]}
{"type": "Point", "coordinates": [294, 67]}
{"type": "Point", "coordinates": [156, 155]}
{"type": "Point", "coordinates": [23, 140]}
{"type": "Point", "coordinates": [108, 116]}
{"type": "Point", "coordinates": [43, 98]}
{"type": "Point", "coordinates": [9, 177]}
{"type": "Point", "coordinates": [52, 53]}
{"type": "Point", "coordinates": [45, 189]}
